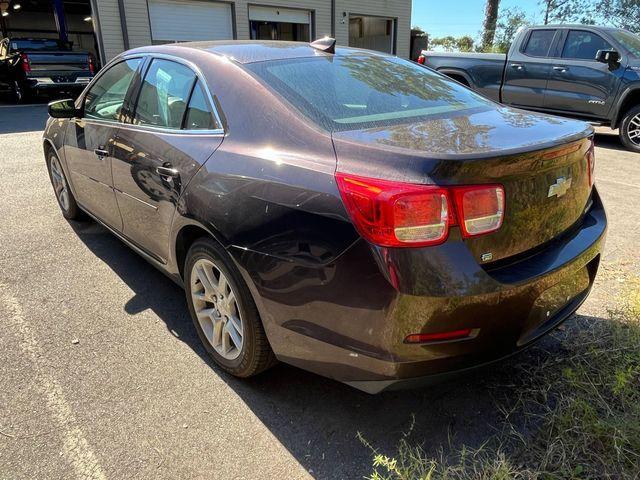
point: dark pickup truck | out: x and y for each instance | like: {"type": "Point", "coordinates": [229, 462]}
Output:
{"type": "Point", "coordinates": [585, 72]}
{"type": "Point", "coordinates": [30, 66]}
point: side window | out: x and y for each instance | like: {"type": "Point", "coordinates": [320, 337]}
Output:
{"type": "Point", "coordinates": [539, 43]}
{"type": "Point", "coordinates": [583, 45]}
{"type": "Point", "coordinates": [105, 98]}
{"type": "Point", "coordinates": [164, 94]}
{"type": "Point", "coordinates": [199, 114]}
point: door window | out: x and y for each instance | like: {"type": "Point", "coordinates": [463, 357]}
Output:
{"type": "Point", "coordinates": [164, 94]}
{"type": "Point", "coordinates": [199, 114]}
{"type": "Point", "coordinates": [539, 43]}
{"type": "Point", "coordinates": [583, 45]}
{"type": "Point", "coordinates": [105, 98]}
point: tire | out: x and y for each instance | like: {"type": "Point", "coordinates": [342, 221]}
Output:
{"type": "Point", "coordinates": [17, 93]}
{"type": "Point", "coordinates": [221, 309]}
{"type": "Point", "coordinates": [66, 200]}
{"type": "Point", "coordinates": [630, 129]}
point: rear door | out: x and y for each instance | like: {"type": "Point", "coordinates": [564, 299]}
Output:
{"type": "Point", "coordinates": [527, 69]}
{"type": "Point", "coordinates": [90, 141]}
{"type": "Point", "coordinates": [173, 132]}
{"type": "Point", "coordinates": [577, 82]}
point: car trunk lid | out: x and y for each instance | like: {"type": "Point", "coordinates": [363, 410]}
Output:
{"type": "Point", "coordinates": [540, 161]}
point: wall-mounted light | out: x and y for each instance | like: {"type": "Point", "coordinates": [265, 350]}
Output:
{"type": "Point", "coordinates": [17, 6]}
{"type": "Point", "coordinates": [5, 14]}
{"type": "Point", "coordinates": [87, 19]}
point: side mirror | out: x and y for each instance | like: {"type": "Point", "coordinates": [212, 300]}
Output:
{"type": "Point", "coordinates": [607, 56]}
{"type": "Point", "coordinates": [63, 108]}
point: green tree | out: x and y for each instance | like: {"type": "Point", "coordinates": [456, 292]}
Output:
{"type": "Point", "coordinates": [509, 22]}
{"type": "Point", "coordinates": [450, 43]}
{"type": "Point", "coordinates": [464, 43]}
{"type": "Point", "coordinates": [620, 13]}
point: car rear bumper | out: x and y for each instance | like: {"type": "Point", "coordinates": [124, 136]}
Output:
{"type": "Point", "coordinates": [348, 320]}
{"type": "Point", "coordinates": [57, 83]}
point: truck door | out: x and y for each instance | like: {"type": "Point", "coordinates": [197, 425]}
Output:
{"type": "Point", "coordinates": [578, 83]}
{"type": "Point", "coordinates": [527, 69]}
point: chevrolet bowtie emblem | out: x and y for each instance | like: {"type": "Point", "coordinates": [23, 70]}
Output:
{"type": "Point", "coordinates": [560, 187]}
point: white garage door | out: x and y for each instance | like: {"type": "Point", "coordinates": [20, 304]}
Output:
{"type": "Point", "coordinates": [285, 15]}
{"type": "Point", "coordinates": [181, 21]}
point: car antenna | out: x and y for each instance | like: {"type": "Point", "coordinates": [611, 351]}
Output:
{"type": "Point", "coordinates": [326, 44]}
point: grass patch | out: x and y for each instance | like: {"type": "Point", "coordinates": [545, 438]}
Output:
{"type": "Point", "coordinates": [574, 416]}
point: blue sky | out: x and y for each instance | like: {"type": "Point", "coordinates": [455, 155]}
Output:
{"type": "Point", "coordinates": [460, 17]}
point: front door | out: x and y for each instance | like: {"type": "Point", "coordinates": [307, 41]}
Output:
{"type": "Point", "coordinates": [577, 82]}
{"type": "Point", "coordinates": [90, 141]}
{"type": "Point", "coordinates": [174, 132]}
{"type": "Point", "coordinates": [527, 70]}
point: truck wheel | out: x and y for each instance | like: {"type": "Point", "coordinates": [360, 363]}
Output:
{"type": "Point", "coordinates": [630, 129]}
{"type": "Point", "coordinates": [17, 94]}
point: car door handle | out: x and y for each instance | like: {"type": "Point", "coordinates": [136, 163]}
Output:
{"type": "Point", "coordinates": [560, 69]}
{"type": "Point", "coordinates": [517, 66]}
{"type": "Point", "coordinates": [167, 173]}
{"type": "Point", "coordinates": [101, 153]}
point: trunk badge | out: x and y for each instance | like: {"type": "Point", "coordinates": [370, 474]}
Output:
{"type": "Point", "coordinates": [560, 187]}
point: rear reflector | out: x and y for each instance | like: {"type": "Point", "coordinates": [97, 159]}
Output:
{"type": "Point", "coordinates": [440, 336]}
{"type": "Point", "coordinates": [422, 59]}
{"type": "Point", "coordinates": [395, 214]}
{"type": "Point", "coordinates": [480, 208]}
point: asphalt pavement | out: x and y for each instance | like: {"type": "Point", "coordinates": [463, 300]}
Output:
{"type": "Point", "coordinates": [102, 375]}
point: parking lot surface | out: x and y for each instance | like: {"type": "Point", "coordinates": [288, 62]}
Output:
{"type": "Point", "coordinates": [102, 374]}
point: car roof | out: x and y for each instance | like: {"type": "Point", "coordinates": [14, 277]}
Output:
{"type": "Point", "coordinates": [249, 51]}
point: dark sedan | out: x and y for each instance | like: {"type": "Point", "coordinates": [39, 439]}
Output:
{"type": "Point", "coordinates": [341, 210]}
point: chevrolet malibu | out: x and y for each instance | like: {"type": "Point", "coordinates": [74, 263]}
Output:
{"type": "Point", "coordinates": [344, 211]}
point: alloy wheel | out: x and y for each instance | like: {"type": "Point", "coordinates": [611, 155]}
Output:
{"type": "Point", "coordinates": [633, 130]}
{"type": "Point", "coordinates": [59, 183]}
{"type": "Point", "coordinates": [216, 307]}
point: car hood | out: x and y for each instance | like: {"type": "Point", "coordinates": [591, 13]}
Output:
{"type": "Point", "coordinates": [479, 134]}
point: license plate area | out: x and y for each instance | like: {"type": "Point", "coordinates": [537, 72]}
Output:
{"type": "Point", "coordinates": [554, 305]}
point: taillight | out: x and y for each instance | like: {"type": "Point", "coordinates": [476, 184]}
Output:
{"type": "Point", "coordinates": [26, 63]}
{"type": "Point", "coordinates": [92, 65]}
{"type": "Point", "coordinates": [422, 59]}
{"type": "Point", "coordinates": [591, 163]}
{"type": "Point", "coordinates": [396, 214]}
{"type": "Point", "coordinates": [480, 208]}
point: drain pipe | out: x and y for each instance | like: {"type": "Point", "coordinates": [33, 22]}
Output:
{"type": "Point", "coordinates": [123, 24]}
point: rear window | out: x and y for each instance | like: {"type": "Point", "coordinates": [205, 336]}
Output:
{"type": "Point", "coordinates": [360, 91]}
{"type": "Point", "coordinates": [44, 45]}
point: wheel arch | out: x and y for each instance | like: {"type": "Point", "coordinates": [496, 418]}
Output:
{"type": "Point", "coordinates": [457, 75]}
{"type": "Point", "coordinates": [628, 100]}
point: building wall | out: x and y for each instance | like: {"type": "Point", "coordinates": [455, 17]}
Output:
{"type": "Point", "coordinates": [139, 30]}
{"type": "Point", "coordinates": [397, 9]}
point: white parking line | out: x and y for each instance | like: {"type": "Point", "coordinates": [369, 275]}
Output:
{"type": "Point", "coordinates": [76, 449]}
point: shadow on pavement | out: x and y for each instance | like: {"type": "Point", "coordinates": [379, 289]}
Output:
{"type": "Point", "coordinates": [610, 141]}
{"type": "Point", "coordinates": [22, 118]}
{"type": "Point", "coordinates": [317, 419]}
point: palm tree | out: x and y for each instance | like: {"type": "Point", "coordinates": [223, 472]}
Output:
{"type": "Point", "coordinates": [490, 21]}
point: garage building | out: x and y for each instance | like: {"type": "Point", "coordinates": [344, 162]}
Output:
{"type": "Point", "coordinates": [377, 24]}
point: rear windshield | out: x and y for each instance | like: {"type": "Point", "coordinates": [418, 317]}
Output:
{"type": "Point", "coordinates": [628, 40]}
{"type": "Point", "coordinates": [39, 45]}
{"type": "Point", "coordinates": [360, 91]}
